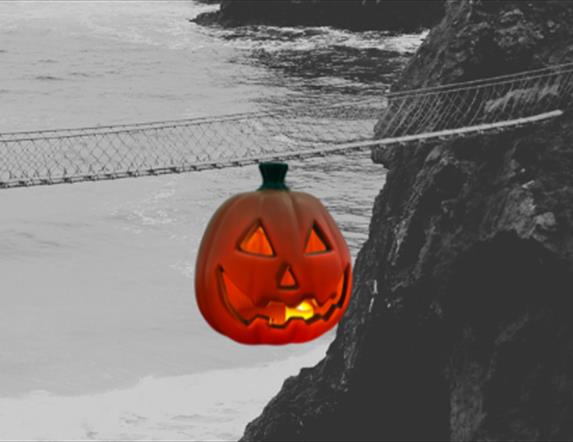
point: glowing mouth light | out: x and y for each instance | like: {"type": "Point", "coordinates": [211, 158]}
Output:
{"type": "Point", "coordinates": [273, 267]}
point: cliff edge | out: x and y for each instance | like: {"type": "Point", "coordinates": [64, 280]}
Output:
{"type": "Point", "coordinates": [460, 323]}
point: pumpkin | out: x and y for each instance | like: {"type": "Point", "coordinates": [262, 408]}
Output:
{"type": "Point", "coordinates": [272, 267]}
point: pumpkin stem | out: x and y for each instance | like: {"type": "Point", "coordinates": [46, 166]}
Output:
{"type": "Point", "coordinates": [273, 176]}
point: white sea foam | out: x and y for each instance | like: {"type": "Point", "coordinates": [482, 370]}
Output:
{"type": "Point", "coordinates": [274, 39]}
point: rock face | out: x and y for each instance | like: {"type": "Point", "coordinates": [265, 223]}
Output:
{"type": "Point", "coordinates": [460, 323]}
{"type": "Point", "coordinates": [354, 14]}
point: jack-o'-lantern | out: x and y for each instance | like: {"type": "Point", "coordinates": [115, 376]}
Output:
{"type": "Point", "coordinates": [273, 268]}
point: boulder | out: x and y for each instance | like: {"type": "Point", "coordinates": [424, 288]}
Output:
{"type": "Point", "coordinates": [352, 14]}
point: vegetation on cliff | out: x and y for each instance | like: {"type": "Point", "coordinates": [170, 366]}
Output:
{"type": "Point", "coordinates": [459, 326]}
{"type": "Point", "coordinates": [353, 14]}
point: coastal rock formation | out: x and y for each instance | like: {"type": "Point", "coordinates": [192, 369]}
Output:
{"type": "Point", "coordinates": [353, 14]}
{"type": "Point", "coordinates": [460, 323]}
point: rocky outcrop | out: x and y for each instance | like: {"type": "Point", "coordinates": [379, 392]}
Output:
{"type": "Point", "coordinates": [353, 14]}
{"type": "Point", "coordinates": [460, 323]}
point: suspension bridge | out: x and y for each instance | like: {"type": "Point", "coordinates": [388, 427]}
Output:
{"type": "Point", "coordinates": [434, 113]}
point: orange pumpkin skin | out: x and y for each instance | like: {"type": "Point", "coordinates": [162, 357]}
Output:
{"type": "Point", "coordinates": [289, 281]}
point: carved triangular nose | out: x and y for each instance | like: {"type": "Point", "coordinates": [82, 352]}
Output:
{"type": "Point", "coordinates": [287, 279]}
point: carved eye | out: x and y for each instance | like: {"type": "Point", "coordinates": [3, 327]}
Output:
{"type": "Point", "coordinates": [316, 243]}
{"type": "Point", "coordinates": [256, 242]}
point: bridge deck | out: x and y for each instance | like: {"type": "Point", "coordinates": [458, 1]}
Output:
{"type": "Point", "coordinates": [441, 112]}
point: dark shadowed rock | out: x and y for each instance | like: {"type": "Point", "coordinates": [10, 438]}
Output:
{"type": "Point", "coordinates": [460, 323]}
{"type": "Point", "coordinates": [353, 14]}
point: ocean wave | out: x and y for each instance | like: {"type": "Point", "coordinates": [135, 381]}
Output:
{"type": "Point", "coordinates": [79, 74]}
{"type": "Point", "coordinates": [48, 78]}
{"type": "Point", "coordinates": [47, 61]}
{"type": "Point", "coordinates": [272, 39]}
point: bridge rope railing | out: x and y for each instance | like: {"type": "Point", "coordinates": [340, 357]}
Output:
{"type": "Point", "coordinates": [129, 150]}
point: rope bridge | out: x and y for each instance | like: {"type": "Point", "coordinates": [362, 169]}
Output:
{"type": "Point", "coordinates": [442, 112]}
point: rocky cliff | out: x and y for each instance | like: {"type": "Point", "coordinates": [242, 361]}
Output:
{"type": "Point", "coordinates": [354, 14]}
{"type": "Point", "coordinates": [460, 323]}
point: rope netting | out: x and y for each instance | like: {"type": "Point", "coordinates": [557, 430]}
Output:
{"type": "Point", "coordinates": [108, 152]}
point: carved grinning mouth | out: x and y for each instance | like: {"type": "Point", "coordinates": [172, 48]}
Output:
{"type": "Point", "coordinates": [279, 314]}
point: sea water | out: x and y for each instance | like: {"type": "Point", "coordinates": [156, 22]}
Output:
{"type": "Point", "coordinates": [100, 336]}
